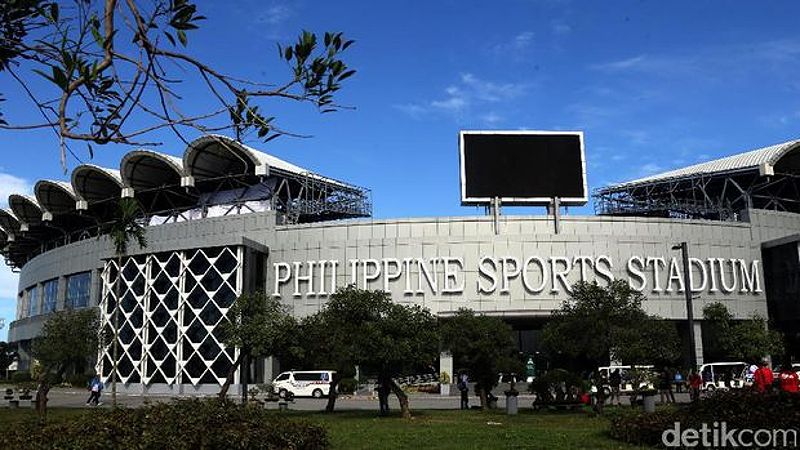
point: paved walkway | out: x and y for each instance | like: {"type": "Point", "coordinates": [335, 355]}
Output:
{"type": "Point", "coordinates": [70, 398]}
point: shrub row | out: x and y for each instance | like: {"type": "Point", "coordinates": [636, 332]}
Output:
{"type": "Point", "coordinates": [182, 424]}
{"type": "Point", "coordinates": [738, 408]}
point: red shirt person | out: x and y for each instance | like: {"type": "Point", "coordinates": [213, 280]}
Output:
{"type": "Point", "coordinates": [790, 382]}
{"type": "Point", "coordinates": [763, 377]}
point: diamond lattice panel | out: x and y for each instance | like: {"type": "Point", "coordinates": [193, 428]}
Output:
{"type": "Point", "coordinates": [171, 305]}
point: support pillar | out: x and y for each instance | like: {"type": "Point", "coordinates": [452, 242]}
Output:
{"type": "Point", "coordinates": [271, 368]}
{"type": "Point", "coordinates": [446, 366]}
{"type": "Point", "coordinates": [698, 343]}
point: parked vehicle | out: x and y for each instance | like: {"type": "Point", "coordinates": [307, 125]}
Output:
{"type": "Point", "coordinates": [304, 383]}
{"type": "Point", "coordinates": [625, 371]}
{"type": "Point", "coordinates": [723, 375]}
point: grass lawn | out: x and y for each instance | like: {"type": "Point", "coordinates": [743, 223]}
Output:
{"type": "Point", "coordinates": [435, 429]}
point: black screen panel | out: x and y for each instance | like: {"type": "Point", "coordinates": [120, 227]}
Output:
{"type": "Point", "coordinates": [522, 166]}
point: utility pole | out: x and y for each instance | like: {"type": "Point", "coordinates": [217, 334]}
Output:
{"type": "Point", "coordinates": [687, 290]}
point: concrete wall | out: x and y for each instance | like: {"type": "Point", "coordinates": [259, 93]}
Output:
{"type": "Point", "coordinates": [471, 238]}
{"type": "Point", "coordinates": [468, 238]}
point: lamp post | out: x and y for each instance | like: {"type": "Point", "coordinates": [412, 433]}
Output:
{"type": "Point", "coordinates": [687, 290]}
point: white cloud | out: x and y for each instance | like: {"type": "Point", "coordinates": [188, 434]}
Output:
{"type": "Point", "coordinates": [274, 14]}
{"type": "Point", "coordinates": [469, 93]}
{"type": "Point", "coordinates": [649, 169]}
{"type": "Point", "coordinates": [491, 118]}
{"type": "Point", "coordinates": [560, 28]}
{"type": "Point", "coordinates": [8, 284]}
{"type": "Point", "coordinates": [10, 184]}
{"type": "Point", "coordinates": [714, 62]}
{"type": "Point", "coordinates": [515, 47]}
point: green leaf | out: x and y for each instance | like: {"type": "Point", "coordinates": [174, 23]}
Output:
{"type": "Point", "coordinates": [182, 37]}
{"type": "Point", "coordinates": [347, 74]}
{"type": "Point", "coordinates": [54, 12]}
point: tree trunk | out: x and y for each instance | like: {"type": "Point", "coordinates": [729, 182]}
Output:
{"type": "Point", "coordinates": [332, 394]}
{"type": "Point", "coordinates": [244, 375]}
{"type": "Point", "coordinates": [41, 398]}
{"type": "Point", "coordinates": [42, 390]}
{"type": "Point", "coordinates": [223, 392]}
{"type": "Point", "coordinates": [484, 399]}
{"type": "Point", "coordinates": [405, 411]}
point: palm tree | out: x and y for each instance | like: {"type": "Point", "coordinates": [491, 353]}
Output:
{"type": "Point", "coordinates": [121, 231]}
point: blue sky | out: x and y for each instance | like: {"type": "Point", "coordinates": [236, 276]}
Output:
{"type": "Point", "coordinates": [654, 85]}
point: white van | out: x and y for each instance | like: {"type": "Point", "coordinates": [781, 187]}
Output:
{"type": "Point", "coordinates": [303, 383]}
{"type": "Point", "coordinates": [624, 371]}
{"type": "Point", "coordinates": [723, 375]}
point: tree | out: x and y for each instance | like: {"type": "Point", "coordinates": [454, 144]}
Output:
{"type": "Point", "coordinates": [748, 340]}
{"type": "Point", "coordinates": [69, 339]}
{"type": "Point", "coordinates": [121, 230]}
{"type": "Point", "coordinates": [600, 322]}
{"type": "Point", "coordinates": [364, 328]}
{"type": "Point", "coordinates": [258, 325]}
{"type": "Point", "coordinates": [482, 344]}
{"type": "Point", "coordinates": [117, 71]}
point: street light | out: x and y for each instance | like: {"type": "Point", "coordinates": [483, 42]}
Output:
{"type": "Point", "coordinates": [687, 290]}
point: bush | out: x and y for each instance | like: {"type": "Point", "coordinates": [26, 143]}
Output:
{"type": "Point", "coordinates": [180, 425]}
{"type": "Point", "coordinates": [348, 385]}
{"type": "Point", "coordinates": [738, 408]}
{"type": "Point", "coordinates": [21, 376]}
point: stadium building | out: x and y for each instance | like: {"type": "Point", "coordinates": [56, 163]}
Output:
{"type": "Point", "coordinates": [225, 219]}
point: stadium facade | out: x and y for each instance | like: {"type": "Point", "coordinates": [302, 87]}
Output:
{"type": "Point", "coordinates": [226, 219]}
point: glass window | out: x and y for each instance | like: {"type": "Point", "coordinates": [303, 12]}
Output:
{"type": "Point", "coordinates": [78, 287]}
{"type": "Point", "coordinates": [33, 301]}
{"type": "Point", "coordinates": [50, 291]}
{"type": "Point", "coordinates": [22, 306]}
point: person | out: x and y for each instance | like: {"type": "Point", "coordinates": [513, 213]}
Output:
{"type": "Point", "coordinates": [665, 386]}
{"type": "Point", "coordinates": [614, 381]}
{"type": "Point", "coordinates": [678, 381]}
{"type": "Point", "coordinates": [790, 381]}
{"type": "Point", "coordinates": [383, 395]}
{"type": "Point", "coordinates": [751, 373]}
{"type": "Point", "coordinates": [95, 388]}
{"type": "Point", "coordinates": [463, 388]}
{"type": "Point", "coordinates": [763, 377]}
{"type": "Point", "coordinates": [695, 383]}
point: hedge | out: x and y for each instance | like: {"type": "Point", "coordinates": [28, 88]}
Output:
{"type": "Point", "coordinates": [740, 409]}
{"type": "Point", "coordinates": [180, 425]}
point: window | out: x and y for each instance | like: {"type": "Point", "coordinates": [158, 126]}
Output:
{"type": "Point", "coordinates": [78, 287]}
{"type": "Point", "coordinates": [33, 301]}
{"type": "Point", "coordinates": [282, 377]}
{"type": "Point", "coordinates": [312, 376]}
{"type": "Point", "coordinates": [22, 306]}
{"type": "Point", "coordinates": [50, 291]}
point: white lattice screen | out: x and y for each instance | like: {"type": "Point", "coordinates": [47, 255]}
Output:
{"type": "Point", "coordinates": [170, 307]}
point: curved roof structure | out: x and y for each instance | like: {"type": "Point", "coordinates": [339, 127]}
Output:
{"type": "Point", "coordinates": [763, 159]}
{"type": "Point", "coordinates": [8, 221]}
{"type": "Point", "coordinates": [215, 156]}
{"type": "Point", "coordinates": [25, 208]}
{"type": "Point", "coordinates": [233, 177]}
{"type": "Point", "coordinates": [55, 197]}
{"type": "Point", "coordinates": [94, 183]}
{"type": "Point", "coordinates": [145, 169]}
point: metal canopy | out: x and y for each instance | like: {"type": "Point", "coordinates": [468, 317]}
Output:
{"type": "Point", "coordinates": [766, 178]}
